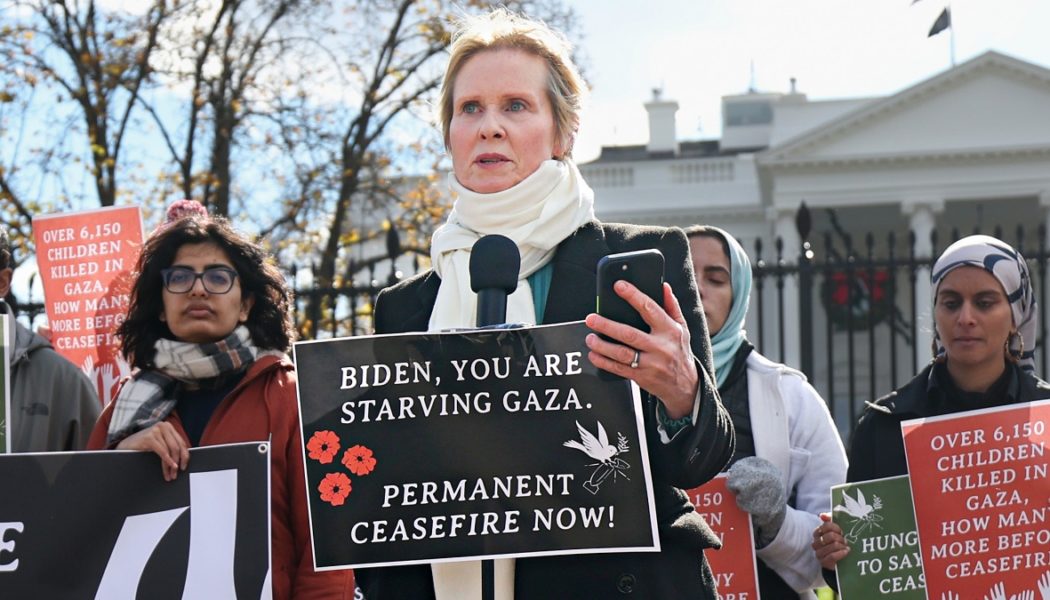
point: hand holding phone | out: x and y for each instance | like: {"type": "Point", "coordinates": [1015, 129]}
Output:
{"type": "Point", "coordinates": [644, 269]}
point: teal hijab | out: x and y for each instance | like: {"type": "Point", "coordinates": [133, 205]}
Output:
{"type": "Point", "coordinates": [727, 341]}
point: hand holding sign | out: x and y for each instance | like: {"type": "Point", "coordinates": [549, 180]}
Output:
{"type": "Point", "coordinates": [759, 492]}
{"type": "Point", "coordinates": [162, 439]}
{"type": "Point", "coordinates": [829, 543]}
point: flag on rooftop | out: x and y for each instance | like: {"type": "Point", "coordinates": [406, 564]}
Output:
{"type": "Point", "coordinates": [944, 21]}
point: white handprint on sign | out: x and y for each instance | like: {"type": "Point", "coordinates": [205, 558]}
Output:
{"type": "Point", "coordinates": [109, 379]}
{"type": "Point", "coordinates": [1044, 585]}
{"type": "Point", "coordinates": [998, 592]}
{"type": "Point", "coordinates": [123, 366]}
{"type": "Point", "coordinates": [89, 369]}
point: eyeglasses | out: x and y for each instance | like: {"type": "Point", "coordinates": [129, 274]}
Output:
{"type": "Point", "coordinates": [216, 280]}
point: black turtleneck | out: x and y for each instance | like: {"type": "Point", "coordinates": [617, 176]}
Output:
{"type": "Point", "coordinates": [195, 406]}
{"type": "Point", "coordinates": [734, 397]}
{"type": "Point", "coordinates": [957, 400]}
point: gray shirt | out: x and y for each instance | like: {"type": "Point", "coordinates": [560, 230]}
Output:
{"type": "Point", "coordinates": [53, 404]}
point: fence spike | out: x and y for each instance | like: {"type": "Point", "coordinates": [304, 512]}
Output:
{"type": "Point", "coordinates": [803, 221]}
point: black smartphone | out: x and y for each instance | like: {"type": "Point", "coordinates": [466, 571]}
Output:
{"type": "Point", "coordinates": [644, 269]}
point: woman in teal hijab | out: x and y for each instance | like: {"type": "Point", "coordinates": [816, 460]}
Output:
{"type": "Point", "coordinates": [788, 451]}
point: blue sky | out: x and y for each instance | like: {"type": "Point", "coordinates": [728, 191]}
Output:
{"type": "Point", "coordinates": [700, 50]}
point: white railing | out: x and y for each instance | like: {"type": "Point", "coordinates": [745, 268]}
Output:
{"type": "Point", "coordinates": [607, 177]}
{"type": "Point", "coordinates": [678, 172]}
{"type": "Point", "coordinates": [703, 171]}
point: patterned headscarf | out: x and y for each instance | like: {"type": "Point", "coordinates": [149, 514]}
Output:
{"type": "Point", "coordinates": [727, 341]}
{"type": "Point", "coordinates": [1009, 267]}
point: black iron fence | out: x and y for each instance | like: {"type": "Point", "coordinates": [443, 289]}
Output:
{"type": "Point", "coordinates": [844, 313]}
{"type": "Point", "coordinates": [860, 329]}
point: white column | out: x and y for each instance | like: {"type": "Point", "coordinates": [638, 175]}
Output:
{"type": "Point", "coordinates": [784, 228]}
{"type": "Point", "coordinates": [922, 220]}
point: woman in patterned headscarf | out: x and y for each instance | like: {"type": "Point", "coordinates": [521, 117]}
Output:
{"type": "Point", "coordinates": [984, 332]}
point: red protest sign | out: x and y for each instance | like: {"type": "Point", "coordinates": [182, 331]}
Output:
{"type": "Point", "coordinates": [981, 493]}
{"type": "Point", "coordinates": [86, 260]}
{"type": "Point", "coordinates": [734, 565]}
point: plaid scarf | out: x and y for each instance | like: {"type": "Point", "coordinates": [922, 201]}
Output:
{"type": "Point", "coordinates": [149, 397]}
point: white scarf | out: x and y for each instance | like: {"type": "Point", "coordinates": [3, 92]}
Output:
{"type": "Point", "coordinates": [537, 214]}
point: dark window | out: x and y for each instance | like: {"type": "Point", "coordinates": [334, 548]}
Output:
{"type": "Point", "coordinates": [749, 113]}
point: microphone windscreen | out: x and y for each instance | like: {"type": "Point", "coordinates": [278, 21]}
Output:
{"type": "Point", "coordinates": [494, 264]}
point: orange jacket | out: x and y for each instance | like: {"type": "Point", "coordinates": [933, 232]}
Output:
{"type": "Point", "coordinates": [263, 406]}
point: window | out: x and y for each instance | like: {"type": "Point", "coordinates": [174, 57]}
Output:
{"type": "Point", "coordinates": [748, 113]}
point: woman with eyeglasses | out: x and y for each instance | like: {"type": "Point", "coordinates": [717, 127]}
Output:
{"type": "Point", "coordinates": [207, 330]}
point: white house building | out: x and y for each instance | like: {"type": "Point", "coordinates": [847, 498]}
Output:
{"type": "Point", "coordinates": [966, 149]}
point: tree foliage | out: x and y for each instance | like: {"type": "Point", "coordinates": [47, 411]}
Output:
{"type": "Point", "coordinates": [79, 69]}
{"type": "Point", "coordinates": [308, 122]}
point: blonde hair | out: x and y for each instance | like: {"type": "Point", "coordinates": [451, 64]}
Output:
{"type": "Point", "coordinates": [504, 29]}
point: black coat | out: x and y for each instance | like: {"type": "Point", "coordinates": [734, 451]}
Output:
{"type": "Point", "coordinates": [694, 456]}
{"type": "Point", "coordinates": [877, 447]}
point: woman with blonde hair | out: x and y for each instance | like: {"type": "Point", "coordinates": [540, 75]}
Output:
{"type": "Point", "coordinates": [510, 107]}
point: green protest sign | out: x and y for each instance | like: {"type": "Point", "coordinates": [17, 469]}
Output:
{"type": "Point", "coordinates": [878, 519]}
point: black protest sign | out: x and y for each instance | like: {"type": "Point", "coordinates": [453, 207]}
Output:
{"type": "Point", "coordinates": [107, 525]}
{"type": "Point", "coordinates": [429, 447]}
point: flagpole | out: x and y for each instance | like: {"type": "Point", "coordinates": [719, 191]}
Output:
{"type": "Point", "coordinates": [951, 34]}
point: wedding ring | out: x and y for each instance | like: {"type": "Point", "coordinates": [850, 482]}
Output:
{"type": "Point", "coordinates": [822, 539]}
{"type": "Point", "coordinates": [637, 357]}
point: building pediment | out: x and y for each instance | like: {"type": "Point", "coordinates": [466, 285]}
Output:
{"type": "Point", "coordinates": [991, 105]}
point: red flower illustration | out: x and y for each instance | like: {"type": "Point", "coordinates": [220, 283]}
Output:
{"type": "Point", "coordinates": [335, 488]}
{"type": "Point", "coordinates": [323, 446]}
{"type": "Point", "coordinates": [359, 460]}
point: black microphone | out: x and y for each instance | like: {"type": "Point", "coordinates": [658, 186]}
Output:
{"type": "Point", "coordinates": [494, 265]}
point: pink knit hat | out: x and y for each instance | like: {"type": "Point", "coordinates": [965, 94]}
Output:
{"type": "Point", "coordinates": [182, 209]}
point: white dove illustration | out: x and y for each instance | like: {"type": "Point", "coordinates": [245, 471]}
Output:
{"type": "Point", "coordinates": [858, 508]}
{"type": "Point", "coordinates": [597, 448]}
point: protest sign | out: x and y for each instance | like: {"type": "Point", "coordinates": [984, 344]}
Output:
{"type": "Point", "coordinates": [106, 525]}
{"type": "Point", "coordinates": [451, 446]}
{"type": "Point", "coordinates": [86, 260]}
{"type": "Point", "coordinates": [980, 487]}
{"type": "Point", "coordinates": [7, 338]}
{"type": "Point", "coordinates": [878, 522]}
{"type": "Point", "coordinates": [734, 564]}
